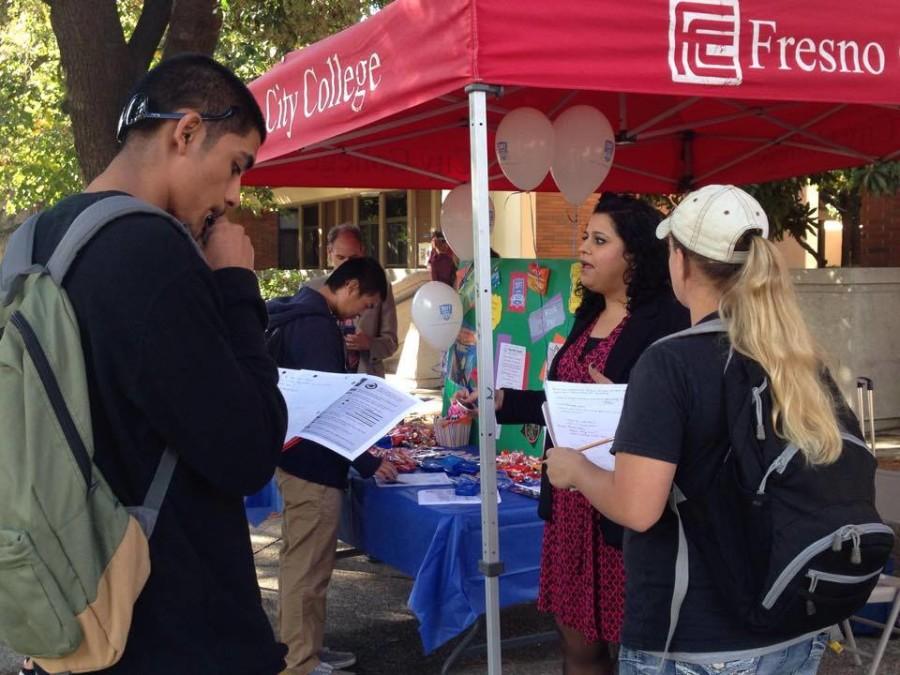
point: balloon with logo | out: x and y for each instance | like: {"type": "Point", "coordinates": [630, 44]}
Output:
{"type": "Point", "coordinates": [524, 147]}
{"type": "Point", "coordinates": [456, 220]}
{"type": "Point", "coordinates": [437, 314]}
{"type": "Point", "coordinates": [583, 151]}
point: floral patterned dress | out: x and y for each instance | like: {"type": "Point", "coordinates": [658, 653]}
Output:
{"type": "Point", "coordinates": [582, 578]}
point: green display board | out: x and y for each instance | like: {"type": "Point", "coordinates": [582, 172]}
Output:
{"type": "Point", "coordinates": [533, 310]}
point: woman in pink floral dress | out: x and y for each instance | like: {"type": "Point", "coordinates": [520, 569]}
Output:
{"type": "Point", "coordinates": [626, 305]}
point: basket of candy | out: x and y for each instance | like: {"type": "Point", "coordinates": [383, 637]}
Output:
{"type": "Point", "coordinates": [452, 432]}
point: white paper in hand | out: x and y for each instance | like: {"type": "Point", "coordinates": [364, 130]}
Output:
{"type": "Point", "coordinates": [583, 414]}
{"type": "Point", "coordinates": [345, 413]}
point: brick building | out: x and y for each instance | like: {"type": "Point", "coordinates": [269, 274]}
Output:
{"type": "Point", "coordinates": [880, 233]}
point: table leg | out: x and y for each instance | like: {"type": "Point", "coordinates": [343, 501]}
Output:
{"type": "Point", "coordinates": [461, 648]}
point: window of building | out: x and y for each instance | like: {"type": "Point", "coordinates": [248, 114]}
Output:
{"type": "Point", "coordinates": [384, 219]}
{"type": "Point", "coordinates": [288, 239]}
{"type": "Point", "coordinates": [310, 256]}
{"type": "Point", "coordinates": [368, 224]}
{"type": "Point", "coordinates": [396, 221]}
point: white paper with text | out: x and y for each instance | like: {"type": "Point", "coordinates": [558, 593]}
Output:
{"type": "Point", "coordinates": [345, 413]}
{"type": "Point", "coordinates": [583, 414]}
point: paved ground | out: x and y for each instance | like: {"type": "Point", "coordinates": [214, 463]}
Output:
{"type": "Point", "coordinates": [368, 614]}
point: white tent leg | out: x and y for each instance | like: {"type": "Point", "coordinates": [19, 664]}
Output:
{"type": "Point", "coordinates": [490, 564]}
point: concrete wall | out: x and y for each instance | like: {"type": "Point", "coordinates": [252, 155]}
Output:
{"type": "Point", "coordinates": [855, 315]}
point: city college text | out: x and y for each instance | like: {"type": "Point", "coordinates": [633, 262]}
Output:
{"type": "Point", "coordinates": [322, 91]}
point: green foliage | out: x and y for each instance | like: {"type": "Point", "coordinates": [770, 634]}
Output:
{"type": "Point", "coordinates": [785, 207]}
{"type": "Point", "coordinates": [38, 164]}
{"type": "Point", "coordinates": [37, 156]}
{"type": "Point", "coordinates": [275, 283]}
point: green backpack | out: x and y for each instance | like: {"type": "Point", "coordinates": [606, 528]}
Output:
{"type": "Point", "coordinates": [73, 558]}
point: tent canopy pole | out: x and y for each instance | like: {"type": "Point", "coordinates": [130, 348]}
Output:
{"type": "Point", "coordinates": [490, 564]}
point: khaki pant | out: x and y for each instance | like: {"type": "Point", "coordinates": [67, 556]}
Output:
{"type": "Point", "coordinates": [309, 528]}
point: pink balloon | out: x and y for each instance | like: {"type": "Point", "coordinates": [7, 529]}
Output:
{"type": "Point", "coordinates": [583, 152]}
{"type": "Point", "coordinates": [456, 220]}
{"type": "Point", "coordinates": [524, 147]}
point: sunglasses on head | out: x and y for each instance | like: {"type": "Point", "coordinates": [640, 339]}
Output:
{"type": "Point", "coordinates": [138, 109]}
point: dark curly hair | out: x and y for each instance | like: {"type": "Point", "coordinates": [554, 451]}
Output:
{"type": "Point", "coordinates": [648, 273]}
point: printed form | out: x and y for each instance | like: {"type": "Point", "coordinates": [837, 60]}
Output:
{"type": "Point", "coordinates": [345, 413]}
{"type": "Point", "coordinates": [578, 414]}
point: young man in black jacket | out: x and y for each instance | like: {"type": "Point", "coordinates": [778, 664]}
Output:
{"type": "Point", "coordinates": [304, 333]}
{"type": "Point", "coordinates": [175, 354]}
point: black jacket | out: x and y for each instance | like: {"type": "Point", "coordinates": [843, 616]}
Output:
{"type": "Point", "coordinates": [303, 333]}
{"type": "Point", "coordinates": [648, 322]}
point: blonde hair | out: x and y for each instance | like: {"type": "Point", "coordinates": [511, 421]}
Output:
{"type": "Point", "coordinates": [765, 323]}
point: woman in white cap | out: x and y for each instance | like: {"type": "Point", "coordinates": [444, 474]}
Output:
{"type": "Point", "coordinates": [674, 429]}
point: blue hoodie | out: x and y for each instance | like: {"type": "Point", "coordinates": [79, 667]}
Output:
{"type": "Point", "coordinates": [307, 336]}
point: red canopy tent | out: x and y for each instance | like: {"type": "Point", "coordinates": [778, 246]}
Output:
{"type": "Point", "coordinates": [698, 91]}
{"type": "Point", "coordinates": [731, 91]}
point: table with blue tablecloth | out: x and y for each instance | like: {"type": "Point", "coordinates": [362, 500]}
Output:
{"type": "Point", "coordinates": [440, 546]}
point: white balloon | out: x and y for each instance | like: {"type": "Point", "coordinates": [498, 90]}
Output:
{"type": "Point", "coordinates": [524, 147]}
{"type": "Point", "coordinates": [437, 314]}
{"type": "Point", "coordinates": [456, 221]}
{"type": "Point", "coordinates": [583, 152]}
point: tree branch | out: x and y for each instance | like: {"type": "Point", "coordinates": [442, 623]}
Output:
{"type": "Point", "coordinates": [820, 261]}
{"type": "Point", "coordinates": [148, 32]}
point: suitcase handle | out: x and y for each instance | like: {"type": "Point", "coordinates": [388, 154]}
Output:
{"type": "Point", "coordinates": [866, 411]}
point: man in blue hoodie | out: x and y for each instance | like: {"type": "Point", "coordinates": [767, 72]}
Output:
{"type": "Point", "coordinates": [304, 333]}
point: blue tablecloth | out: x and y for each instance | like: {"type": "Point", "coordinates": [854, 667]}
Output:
{"type": "Point", "coordinates": [263, 504]}
{"type": "Point", "coordinates": [440, 548]}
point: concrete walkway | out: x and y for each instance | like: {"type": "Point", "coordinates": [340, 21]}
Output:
{"type": "Point", "coordinates": [367, 614]}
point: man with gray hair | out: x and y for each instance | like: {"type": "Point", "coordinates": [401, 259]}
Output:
{"type": "Point", "coordinates": [373, 337]}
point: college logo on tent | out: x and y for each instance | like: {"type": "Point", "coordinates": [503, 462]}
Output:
{"type": "Point", "coordinates": [705, 38]}
{"type": "Point", "coordinates": [703, 41]}
{"type": "Point", "coordinates": [446, 311]}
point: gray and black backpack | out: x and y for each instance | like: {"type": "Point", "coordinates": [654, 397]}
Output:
{"type": "Point", "coordinates": [792, 547]}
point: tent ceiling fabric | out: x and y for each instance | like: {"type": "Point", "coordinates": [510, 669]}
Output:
{"type": "Point", "coordinates": [699, 91]}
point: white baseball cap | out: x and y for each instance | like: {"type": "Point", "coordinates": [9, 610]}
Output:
{"type": "Point", "coordinates": [710, 222]}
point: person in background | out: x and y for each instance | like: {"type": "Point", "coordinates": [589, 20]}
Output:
{"type": "Point", "coordinates": [441, 260]}
{"type": "Point", "coordinates": [304, 333]}
{"type": "Point", "coordinates": [372, 337]}
{"type": "Point", "coordinates": [674, 428]}
{"type": "Point", "coordinates": [626, 305]}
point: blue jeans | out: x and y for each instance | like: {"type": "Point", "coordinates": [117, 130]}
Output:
{"type": "Point", "coordinates": [800, 659]}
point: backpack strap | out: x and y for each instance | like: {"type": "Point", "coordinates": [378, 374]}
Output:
{"type": "Point", "coordinates": [148, 512]}
{"type": "Point", "coordinates": [682, 572]}
{"type": "Point", "coordinates": [712, 326]}
{"type": "Point", "coordinates": [17, 261]}
{"type": "Point", "coordinates": [94, 218]}
{"type": "Point", "coordinates": [676, 497]}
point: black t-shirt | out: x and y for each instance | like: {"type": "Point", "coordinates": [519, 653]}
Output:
{"type": "Point", "coordinates": [175, 355]}
{"type": "Point", "coordinates": [674, 411]}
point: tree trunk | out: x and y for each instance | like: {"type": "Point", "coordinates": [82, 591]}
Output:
{"type": "Point", "coordinates": [96, 61]}
{"type": "Point", "coordinates": [194, 27]}
{"type": "Point", "coordinates": [101, 68]}
{"type": "Point", "coordinates": [851, 246]}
